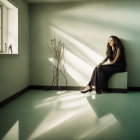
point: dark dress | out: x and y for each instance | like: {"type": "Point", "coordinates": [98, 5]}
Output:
{"type": "Point", "coordinates": [101, 75]}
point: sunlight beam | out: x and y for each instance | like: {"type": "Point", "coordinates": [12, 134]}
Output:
{"type": "Point", "coordinates": [90, 53]}
{"type": "Point", "coordinates": [76, 68]}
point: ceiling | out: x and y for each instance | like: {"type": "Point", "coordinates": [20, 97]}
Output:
{"type": "Point", "coordinates": [51, 1]}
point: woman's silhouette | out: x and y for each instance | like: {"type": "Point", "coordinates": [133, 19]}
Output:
{"type": "Point", "coordinates": [102, 72]}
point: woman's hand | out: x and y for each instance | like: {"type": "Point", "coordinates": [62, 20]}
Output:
{"type": "Point", "coordinates": [98, 66]}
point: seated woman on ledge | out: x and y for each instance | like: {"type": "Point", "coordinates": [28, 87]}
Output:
{"type": "Point", "coordinates": [102, 72]}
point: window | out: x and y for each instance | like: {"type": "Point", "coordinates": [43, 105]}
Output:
{"type": "Point", "coordinates": [8, 28]}
{"type": "Point", "coordinates": [0, 28]}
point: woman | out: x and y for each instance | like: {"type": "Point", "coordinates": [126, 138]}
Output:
{"type": "Point", "coordinates": [102, 72]}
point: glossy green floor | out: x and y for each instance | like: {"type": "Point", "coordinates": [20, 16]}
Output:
{"type": "Point", "coordinates": [70, 115]}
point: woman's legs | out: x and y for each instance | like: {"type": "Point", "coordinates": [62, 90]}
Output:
{"type": "Point", "coordinates": [91, 83]}
{"type": "Point", "coordinates": [100, 77]}
{"type": "Point", "coordinates": [104, 73]}
{"type": "Point", "coordinates": [96, 80]}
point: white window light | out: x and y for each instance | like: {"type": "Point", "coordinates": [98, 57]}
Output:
{"type": "Point", "coordinates": [1, 28]}
{"type": "Point", "coordinates": [8, 28]}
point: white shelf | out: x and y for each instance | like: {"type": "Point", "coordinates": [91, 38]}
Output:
{"type": "Point", "coordinates": [9, 53]}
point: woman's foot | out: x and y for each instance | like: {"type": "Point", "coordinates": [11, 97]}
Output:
{"type": "Point", "coordinates": [87, 88]}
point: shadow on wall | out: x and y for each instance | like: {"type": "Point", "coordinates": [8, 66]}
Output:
{"type": "Point", "coordinates": [131, 60]}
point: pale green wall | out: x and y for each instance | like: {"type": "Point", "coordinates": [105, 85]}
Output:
{"type": "Point", "coordinates": [14, 69]}
{"type": "Point", "coordinates": [83, 26]}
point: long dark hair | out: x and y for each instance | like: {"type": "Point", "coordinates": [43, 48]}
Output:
{"type": "Point", "coordinates": [117, 44]}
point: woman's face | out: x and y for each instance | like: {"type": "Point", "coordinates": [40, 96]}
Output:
{"type": "Point", "coordinates": [111, 42]}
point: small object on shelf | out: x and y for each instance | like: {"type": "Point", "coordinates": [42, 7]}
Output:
{"type": "Point", "coordinates": [10, 50]}
{"type": "Point", "coordinates": [6, 47]}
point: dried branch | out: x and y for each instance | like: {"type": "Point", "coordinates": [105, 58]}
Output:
{"type": "Point", "coordinates": [56, 49]}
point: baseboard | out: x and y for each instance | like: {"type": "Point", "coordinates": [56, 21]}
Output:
{"type": "Point", "coordinates": [133, 88]}
{"type": "Point", "coordinates": [117, 90]}
{"type": "Point", "coordinates": [38, 87]}
{"type": "Point", "coordinates": [9, 99]}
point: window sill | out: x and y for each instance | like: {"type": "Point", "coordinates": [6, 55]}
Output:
{"type": "Point", "coordinates": [9, 53]}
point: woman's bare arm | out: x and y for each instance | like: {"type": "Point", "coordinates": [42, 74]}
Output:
{"type": "Point", "coordinates": [116, 58]}
{"type": "Point", "coordinates": [104, 60]}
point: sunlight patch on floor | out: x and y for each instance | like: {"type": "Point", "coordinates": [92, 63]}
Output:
{"type": "Point", "coordinates": [62, 98]}
{"type": "Point", "coordinates": [103, 123]}
{"type": "Point", "coordinates": [13, 133]}
{"type": "Point", "coordinates": [65, 109]}
{"type": "Point", "coordinates": [61, 92]}
{"type": "Point", "coordinates": [59, 118]}
{"type": "Point", "coordinates": [51, 121]}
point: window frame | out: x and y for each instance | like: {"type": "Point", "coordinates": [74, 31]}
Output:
{"type": "Point", "coordinates": [1, 49]}
{"type": "Point", "coordinates": [9, 33]}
